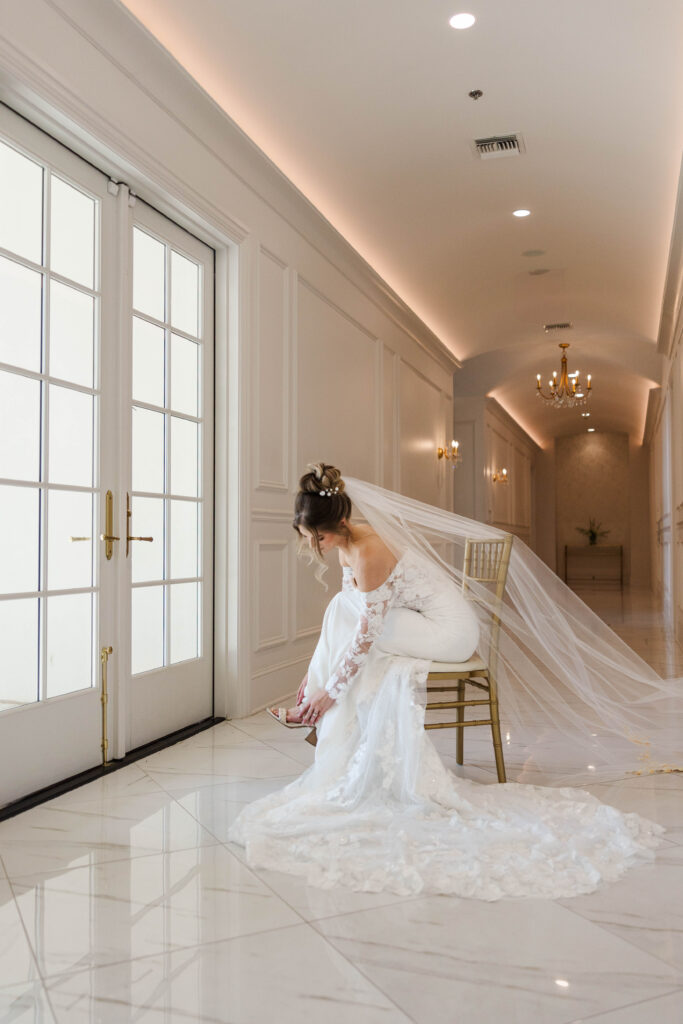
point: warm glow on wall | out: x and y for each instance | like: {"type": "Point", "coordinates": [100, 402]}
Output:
{"type": "Point", "coordinates": [519, 420]}
{"type": "Point", "coordinates": [235, 103]}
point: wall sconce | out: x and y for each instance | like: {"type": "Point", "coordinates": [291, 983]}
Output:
{"type": "Point", "coordinates": [453, 453]}
{"type": "Point", "coordinates": [500, 477]}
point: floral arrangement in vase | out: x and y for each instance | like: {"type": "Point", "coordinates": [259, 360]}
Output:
{"type": "Point", "coordinates": [593, 531]}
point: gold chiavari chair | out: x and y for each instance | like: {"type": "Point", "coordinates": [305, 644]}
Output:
{"type": "Point", "coordinates": [486, 563]}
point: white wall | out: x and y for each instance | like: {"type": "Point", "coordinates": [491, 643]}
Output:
{"type": "Point", "coordinates": [640, 523]}
{"type": "Point", "coordinates": [663, 435]}
{"type": "Point", "coordinates": [491, 440]}
{"type": "Point", "coordinates": [544, 510]}
{"type": "Point", "coordinates": [315, 357]}
{"type": "Point", "coordinates": [592, 482]}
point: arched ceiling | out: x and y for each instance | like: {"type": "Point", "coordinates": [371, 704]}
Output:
{"type": "Point", "coordinates": [364, 105]}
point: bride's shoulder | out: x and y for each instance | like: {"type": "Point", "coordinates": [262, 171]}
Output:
{"type": "Point", "coordinates": [373, 561]}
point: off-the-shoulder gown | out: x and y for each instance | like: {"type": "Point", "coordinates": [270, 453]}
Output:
{"type": "Point", "coordinates": [378, 810]}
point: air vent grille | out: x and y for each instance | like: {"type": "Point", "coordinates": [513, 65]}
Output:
{"type": "Point", "coordinates": [556, 327]}
{"type": "Point", "coordinates": [498, 146]}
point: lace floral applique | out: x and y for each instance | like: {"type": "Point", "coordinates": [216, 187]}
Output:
{"type": "Point", "coordinates": [376, 604]}
{"type": "Point", "coordinates": [347, 578]}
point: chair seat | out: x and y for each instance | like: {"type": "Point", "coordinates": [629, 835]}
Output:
{"type": "Point", "coordinates": [473, 665]}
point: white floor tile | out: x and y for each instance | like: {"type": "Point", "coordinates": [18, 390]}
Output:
{"type": "Point", "coordinates": [314, 904]}
{"type": "Point", "coordinates": [665, 1010]}
{"type": "Point", "coordinates": [662, 803]}
{"type": "Point", "coordinates": [25, 1004]}
{"type": "Point", "coordinates": [149, 905]}
{"type": "Point", "coordinates": [17, 962]}
{"type": "Point", "coordinates": [518, 961]}
{"type": "Point", "coordinates": [216, 807]}
{"type": "Point", "coordinates": [226, 762]}
{"type": "Point", "coordinates": [645, 907]}
{"type": "Point", "coordinates": [287, 977]}
{"type": "Point", "coordinates": [53, 838]}
{"type": "Point", "coordinates": [128, 781]}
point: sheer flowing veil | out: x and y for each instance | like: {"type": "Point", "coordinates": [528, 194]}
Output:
{"type": "Point", "coordinates": [577, 704]}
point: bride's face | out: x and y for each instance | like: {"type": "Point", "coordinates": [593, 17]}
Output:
{"type": "Point", "coordinates": [326, 541]}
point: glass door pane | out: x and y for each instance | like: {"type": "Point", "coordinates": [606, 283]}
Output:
{"type": "Point", "coordinates": [166, 449]}
{"type": "Point", "coordinates": [56, 222]}
{"type": "Point", "coordinates": [171, 475]}
{"type": "Point", "coordinates": [49, 313]}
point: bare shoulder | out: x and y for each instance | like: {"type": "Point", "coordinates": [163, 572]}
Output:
{"type": "Point", "coordinates": [373, 563]}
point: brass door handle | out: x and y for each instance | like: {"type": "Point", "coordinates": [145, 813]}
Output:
{"type": "Point", "coordinates": [108, 537]}
{"type": "Point", "coordinates": [129, 517]}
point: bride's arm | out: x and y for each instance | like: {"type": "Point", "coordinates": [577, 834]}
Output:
{"type": "Point", "coordinates": [377, 570]}
{"type": "Point", "coordinates": [376, 604]}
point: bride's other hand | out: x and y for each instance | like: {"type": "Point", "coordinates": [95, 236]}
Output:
{"type": "Point", "coordinates": [316, 708]}
{"type": "Point", "coordinates": [301, 691]}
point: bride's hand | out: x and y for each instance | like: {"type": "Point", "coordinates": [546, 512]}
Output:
{"type": "Point", "coordinates": [302, 690]}
{"type": "Point", "coordinates": [316, 708]}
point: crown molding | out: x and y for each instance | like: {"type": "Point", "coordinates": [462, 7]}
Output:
{"type": "Point", "coordinates": [51, 99]}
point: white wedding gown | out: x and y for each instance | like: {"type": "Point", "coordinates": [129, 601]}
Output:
{"type": "Point", "coordinates": [378, 810]}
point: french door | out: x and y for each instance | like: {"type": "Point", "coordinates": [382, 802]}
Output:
{"type": "Point", "coordinates": [106, 403]}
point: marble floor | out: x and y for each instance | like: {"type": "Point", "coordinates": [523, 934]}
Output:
{"type": "Point", "coordinates": [123, 901]}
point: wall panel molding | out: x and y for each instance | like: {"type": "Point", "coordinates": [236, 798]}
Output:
{"type": "Point", "coordinates": [277, 637]}
{"type": "Point", "coordinates": [305, 283]}
{"type": "Point", "coordinates": [280, 666]}
{"type": "Point", "coordinates": [272, 357]}
{"type": "Point", "coordinates": [271, 515]}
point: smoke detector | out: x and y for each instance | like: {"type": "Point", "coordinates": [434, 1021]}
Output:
{"type": "Point", "coordinates": [498, 146]}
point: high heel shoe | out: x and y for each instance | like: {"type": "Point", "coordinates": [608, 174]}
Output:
{"type": "Point", "coordinates": [281, 717]}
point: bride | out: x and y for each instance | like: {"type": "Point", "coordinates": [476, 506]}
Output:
{"type": "Point", "coordinates": [378, 810]}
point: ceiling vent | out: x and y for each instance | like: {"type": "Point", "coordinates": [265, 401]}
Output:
{"type": "Point", "coordinates": [556, 327]}
{"type": "Point", "coordinates": [498, 146]}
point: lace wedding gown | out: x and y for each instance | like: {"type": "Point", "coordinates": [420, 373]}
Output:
{"type": "Point", "coordinates": [378, 810]}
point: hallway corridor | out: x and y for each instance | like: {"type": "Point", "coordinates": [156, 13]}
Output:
{"type": "Point", "coordinates": [122, 901]}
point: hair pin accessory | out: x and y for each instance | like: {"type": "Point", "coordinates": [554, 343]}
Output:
{"type": "Point", "coordinates": [329, 493]}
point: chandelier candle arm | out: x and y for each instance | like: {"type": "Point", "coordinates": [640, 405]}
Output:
{"type": "Point", "coordinates": [567, 390]}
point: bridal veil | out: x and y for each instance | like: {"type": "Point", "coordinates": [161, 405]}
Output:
{"type": "Point", "coordinates": [576, 703]}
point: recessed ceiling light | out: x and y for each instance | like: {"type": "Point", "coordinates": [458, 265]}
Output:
{"type": "Point", "coordinates": [562, 982]}
{"type": "Point", "coordinates": [521, 213]}
{"type": "Point", "coordinates": [462, 21]}
{"type": "Point", "coordinates": [585, 415]}
{"type": "Point", "coordinates": [591, 430]}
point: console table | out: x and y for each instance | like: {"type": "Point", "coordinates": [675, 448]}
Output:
{"type": "Point", "coordinates": [594, 563]}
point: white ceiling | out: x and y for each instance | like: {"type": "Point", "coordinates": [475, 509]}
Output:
{"type": "Point", "coordinates": [363, 104]}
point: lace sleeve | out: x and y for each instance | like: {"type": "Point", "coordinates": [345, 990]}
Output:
{"type": "Point", "coordinates": [347, 578]}
{"type": "Point", "coordinates": [376, 604]}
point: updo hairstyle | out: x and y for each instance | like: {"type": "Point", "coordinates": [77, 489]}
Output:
{"type": "Point", "coordinates": [320, 506]}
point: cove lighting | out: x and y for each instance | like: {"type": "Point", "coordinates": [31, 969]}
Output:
{"type": "Point", "coordinates": [521, 213]}
{"type": "Point", "coordinates": [462, 21]}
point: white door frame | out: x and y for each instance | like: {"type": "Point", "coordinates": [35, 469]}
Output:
{"type": "Point", "coordinates": [233, 298]}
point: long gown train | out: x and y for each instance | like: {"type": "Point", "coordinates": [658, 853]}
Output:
{"type": "Point", "coordinates": [378, 810]}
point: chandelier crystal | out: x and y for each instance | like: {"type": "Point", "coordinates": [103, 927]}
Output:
{"type": "Point", "coordinates": [566, 390]}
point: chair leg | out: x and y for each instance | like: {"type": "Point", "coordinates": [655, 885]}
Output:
{"type": "Point", "coordinates": [460, 738]}
{"type": "Point", "coordinates": [497, 741]}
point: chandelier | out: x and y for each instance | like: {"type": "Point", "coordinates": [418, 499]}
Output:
{"type": "Point", "coordinates": [566, 391]}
